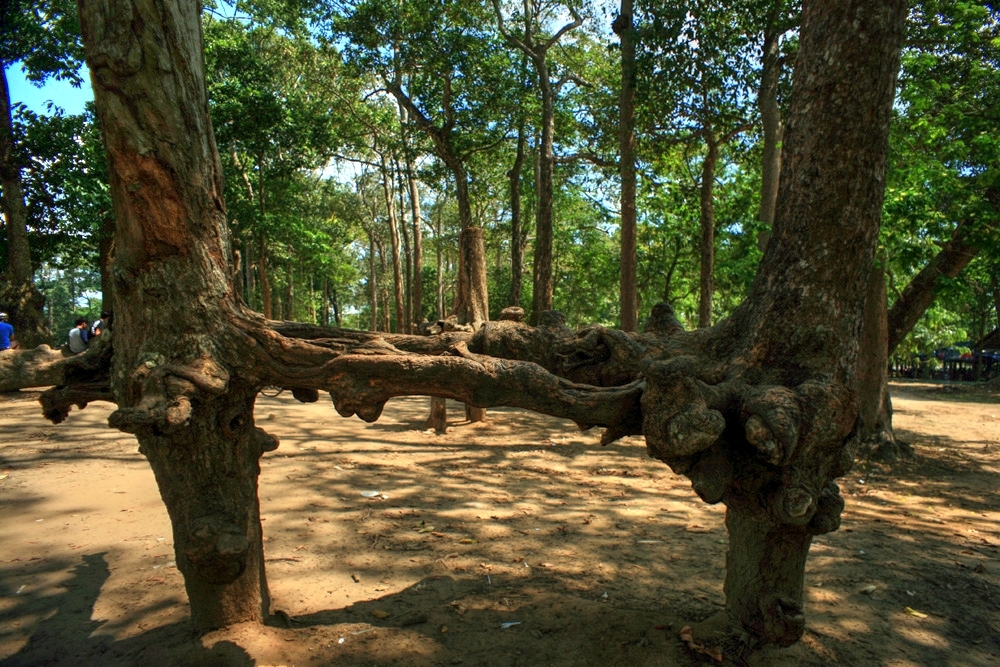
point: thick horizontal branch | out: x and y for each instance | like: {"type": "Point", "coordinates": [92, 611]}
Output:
{"type": "Point", "coordinates": [46, 367]}
{"type": "Point", "coordinates": [361, 385]}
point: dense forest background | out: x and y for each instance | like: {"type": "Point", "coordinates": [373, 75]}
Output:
{"type": "Point", "coordinates": [360, 137]}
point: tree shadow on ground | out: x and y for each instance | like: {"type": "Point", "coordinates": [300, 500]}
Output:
{"type": "Point", "coordinates": [31, 618]}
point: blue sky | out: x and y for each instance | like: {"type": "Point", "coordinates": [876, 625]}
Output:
{"type": "Point", "coordinates": [59, 93]}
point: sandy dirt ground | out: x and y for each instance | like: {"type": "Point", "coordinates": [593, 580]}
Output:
{"type": "Point", "coordinates": [519, 541]}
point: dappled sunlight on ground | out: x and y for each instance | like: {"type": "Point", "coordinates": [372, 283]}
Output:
{"type": "Point", "coordinates": [388, 544]}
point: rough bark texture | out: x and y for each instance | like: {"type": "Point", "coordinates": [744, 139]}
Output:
{"type": "Point", "coordinates": [172, 267]}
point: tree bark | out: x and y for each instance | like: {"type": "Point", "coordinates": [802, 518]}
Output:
{"type": "Point", "coordinates": [192, 417]}
{"type": "Point", "coordinates": [623, 27]}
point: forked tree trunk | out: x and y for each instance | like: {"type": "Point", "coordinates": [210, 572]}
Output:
{"type": "Point", "coordinates": [758, 411]}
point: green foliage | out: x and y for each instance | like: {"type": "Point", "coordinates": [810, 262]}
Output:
{"type": "Point", "coordinates": [43, 36]}
{"type": "Point", "coordinates": [304, 126]}
{"type": "Point", "coordinates": [945, 153]}
{"type": "Point", "coordinates": [65, 185]}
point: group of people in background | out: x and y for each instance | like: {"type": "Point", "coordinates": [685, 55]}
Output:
{"type": "Point", "coordinates": [78, 339]}
{"type": "Point", "coordinates": [80, 335]}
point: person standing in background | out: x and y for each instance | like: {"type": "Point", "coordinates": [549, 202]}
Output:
{"type": "Point", "coordinates": [7, 341]}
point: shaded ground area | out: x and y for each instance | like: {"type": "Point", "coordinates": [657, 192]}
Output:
{"type": "Point", "coordinates": [516, 542]}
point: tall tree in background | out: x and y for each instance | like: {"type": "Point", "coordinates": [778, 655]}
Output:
{"type": "Point", "coordinates": [531, 38]}
{"type": "Point", "coordinates": [628, 289]}
{"type": "Point", "coordinates": [697, 64]}
{"type": "Point", "coordinates": [448, 75]}
{"type": "Point", "coordinates": [43, 37]}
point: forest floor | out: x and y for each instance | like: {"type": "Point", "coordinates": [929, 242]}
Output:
{"type": "Point", "coordinates": [519, 541]}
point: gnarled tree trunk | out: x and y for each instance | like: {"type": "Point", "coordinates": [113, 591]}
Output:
{"type": "Point", "coordinates": [759, 411]}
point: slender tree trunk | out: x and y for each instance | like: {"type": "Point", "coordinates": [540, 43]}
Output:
{"type": "Point", "coordinates": [516, 240]}
{"type": "Point", "coordinates": [26, 305]}
{"type": "Point", "coordinates": [265, 279]}
{"type": "Point", "coordinates": [249, 280]}
{"type": "Point", "coordinates": [440, 266]}
{"type": "Point", "coordinates": [875, 422]}
{"type": "Point", "coordinates": [372, 280]}
{"type": "Point", "coordinates": [288, 310]}
{"type": "Point", "coordinates": [324, 312]}
{"type": "Point", "coordinates": [417, 298]}
{"type": "Point", "coordinates": [706, 283]}
{"type": "Point", "coordinates": [407, 258]}
{"type": "Point", "coordinates": [542, 289]}
{"type": "Point", "coordinates": [623, 26]}
{"type": "Point", "coordinates": [397, 270]}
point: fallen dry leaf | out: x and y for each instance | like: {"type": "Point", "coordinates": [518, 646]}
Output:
{"type": "Point", "coordinates": [687, 636]}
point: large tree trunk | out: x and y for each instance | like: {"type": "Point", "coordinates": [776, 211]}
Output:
{"type": "Point", "coordinates": [193, 418]}
{"type": "Point", "coordinates": [626, 141]}
{"type": "Point", "coordinates": [18, 295]}
{"type": "Point", "coordinates": [801, 324]}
